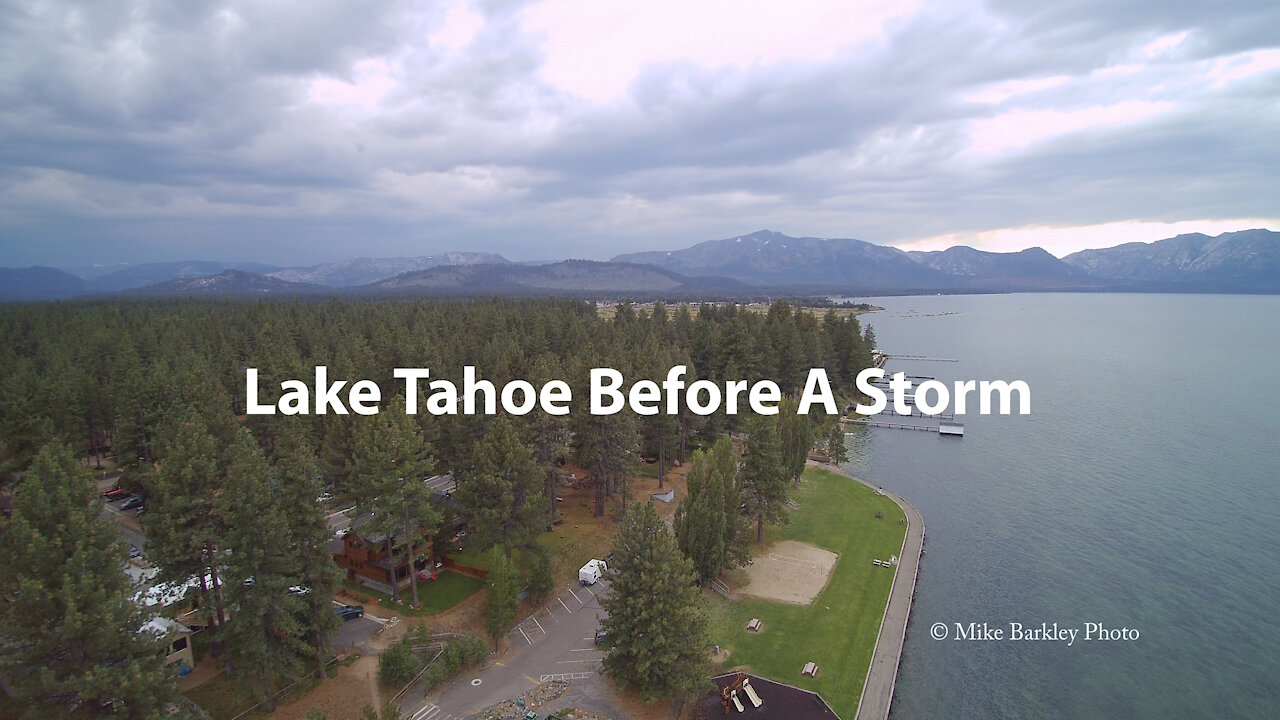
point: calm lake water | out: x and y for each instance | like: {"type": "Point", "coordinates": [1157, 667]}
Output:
{"type": "Point", "coordinates": [1141, 492]}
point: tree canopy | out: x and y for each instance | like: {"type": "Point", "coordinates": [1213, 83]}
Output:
{"type": "Point", "coordinates": [656, 635]}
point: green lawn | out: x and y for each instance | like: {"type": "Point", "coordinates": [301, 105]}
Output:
{"type": "Point", "coordinates": [838, 630]}
{"type": "Point", "coordinates": [448, 589]}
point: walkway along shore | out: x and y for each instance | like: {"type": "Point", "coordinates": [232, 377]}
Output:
{"type": "Point", "coordinates": [882, 676]}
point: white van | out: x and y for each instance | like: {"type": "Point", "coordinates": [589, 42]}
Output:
{"type": "Point", "coordinates": [591, 573]}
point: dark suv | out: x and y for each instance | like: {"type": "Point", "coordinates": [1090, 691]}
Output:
{"type": "Point", "coordinates": [349, 612]}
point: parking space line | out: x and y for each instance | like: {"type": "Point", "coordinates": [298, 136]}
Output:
{"type": "Point", "coordinates": [526, 637]}
{"type": "Point", "coordinates": [535, 622]}
{"type": "Point", "coordinates": [566, 607]}
{"type": "Point", "coordinates": [575, 596]}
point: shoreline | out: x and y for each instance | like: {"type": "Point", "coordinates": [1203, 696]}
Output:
{"type": "Point", "coordinates": [882, 675]}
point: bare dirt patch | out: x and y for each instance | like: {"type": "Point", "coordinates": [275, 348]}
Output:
{"type": "Point", "coordinates": [792, 572]}
{"type": "Point", "coordinates": [345, 696]}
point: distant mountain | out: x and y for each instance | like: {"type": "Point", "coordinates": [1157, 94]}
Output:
{"type": "Point", "coordinates": [138, 276]}
{"type": "Point", "coordinates": [771, 259]}
{"type": "Point", "coordinates": [229, 283]}
{"type": "Point", "coordinates": [363, 270]}
{"type": "Point", "coordinates": [40, 283]}
{"type": "Point", "coordinates": [568, 277]}
{"type": "Point", "coordinates": [90, 272]}
{"type": "Point", "coordinates": [1033, 268]}
{"type": "Point", "coordinates": [1244, 261]}
{"type": "Point", "coordinates": [759, 263]}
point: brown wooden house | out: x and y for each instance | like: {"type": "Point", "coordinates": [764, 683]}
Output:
{"type": "Point", "coordinates": [366, 560]}
{"type": "Point", "coordinates": [363, 555]}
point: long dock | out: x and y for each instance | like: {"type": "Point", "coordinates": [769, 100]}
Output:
{"type": "Point", "coordinates": [894, 425]}
{"type": "Point", "coordinates": [921, 358]}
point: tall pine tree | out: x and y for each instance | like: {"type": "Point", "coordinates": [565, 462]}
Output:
{"type": "Point", "coordinates": [709, 525]}
{"type": "Point", "coordinates": [764, 477]}
{"type": "Point", "coordinates": [795, 433]}
{"type": "Point", "coordinates": [656, 634]}
{"type": "Point", "coordinates": [184, 527]}
{"type": "Point", "coordinates": [71, 643]}
{"type": "Point", "coordinates": [500, 597]}
{"type": "Point", "coordinates": [297, 478]}
{"type": "Point", "coordinates": [388, 466]}
{"type": "Point", "coordinates": [500, 497]}
{"type": "Point", "coordinates": [265, 636]}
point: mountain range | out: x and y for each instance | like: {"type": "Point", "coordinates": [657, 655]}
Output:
{"type": "Point", "coordinates": [760, 263]}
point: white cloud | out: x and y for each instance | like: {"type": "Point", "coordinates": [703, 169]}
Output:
{"type": "Point", "coordinates": [458, 30]}
{"type": "Point", "coordinates": [999, 92]}
{"type": "Point", "coordinates": [371, 81]}
{"type": "Point", "coordinates": [595, 49]}
{"type": "Point", "coordinates": [1018, 129]}
{"type": "Point", "coordinates": [1163, 45]}
{"type": "Point", "coordinates": [1232, 69]}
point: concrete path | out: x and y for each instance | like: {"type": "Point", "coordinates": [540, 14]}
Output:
{"type": "Point", "coordinates": [877, 692]}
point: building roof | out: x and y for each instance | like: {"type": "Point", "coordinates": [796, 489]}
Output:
{"type": "Point", "coordinates": [162, 626]}
{"type": "Point", "coordinates": [442, 485]}
{"type": "Point", "coordinates": [778, 702]}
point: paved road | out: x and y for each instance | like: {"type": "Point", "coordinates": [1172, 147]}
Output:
{"type": "Point", "coordinates": [557, 642]}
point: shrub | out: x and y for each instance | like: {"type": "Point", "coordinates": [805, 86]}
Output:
{"type": "Point", "coordinates": [398, 663]}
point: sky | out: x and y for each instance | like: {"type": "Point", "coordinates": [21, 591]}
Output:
{"type": "Point", "coordinates": [307, 131]}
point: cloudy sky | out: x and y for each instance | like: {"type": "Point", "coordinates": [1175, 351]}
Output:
{"type": "Point", "coordinates": [306, 131]}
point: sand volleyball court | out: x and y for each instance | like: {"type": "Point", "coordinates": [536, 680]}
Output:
{"type": "Point", "coordinates": [792, 572]}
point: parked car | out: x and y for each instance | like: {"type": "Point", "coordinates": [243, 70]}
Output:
{"type": "Point", "coordinates": [134, 551]}
{"type": "Point", "coordinates": [115, 493]}
{"type": "Point", "coordinates": [131, 502]}
{"type": "Point", "coordinates": [349, 612]}
{"type": "Point", "coordinates": [600, 635]}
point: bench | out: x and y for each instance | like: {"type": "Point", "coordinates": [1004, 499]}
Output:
{"type": "Point", "coordinates": [754, 625]}
{"type": "Point", "coordinates": [810, 669]}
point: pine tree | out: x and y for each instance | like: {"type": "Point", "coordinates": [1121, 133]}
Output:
{"type": "Point", "coordinates": [389, 463]}
{"type": "Point", "coordinates": [837, 451]}
{"type": "Point", "coordinates": [606, 445]}
{"type": "Point", "coordinates": [541, 579]}
{"type": "Point", "coordinates": [764, 477]}
{"type": "Point", "coordinates": [297, 477]}
{"type": "Point", "coordinates": [500, 497]}
{"type": "Point", "coordinates": [71, 643]}
{"type": "Point", "coordinates": [547, 434]}
{"type": "Point", "coordinates": [709, 525]}
{"type": "Point", "coordinates": [656, 635]}
{"type": "Point", "coordinates": [500, 599]}
{"type": "Point", "coordinates": [795, 433]}
{"type": "Point", "coordinates": [265, 636]}
{"type": "Point", "coordinates": [184, 527]}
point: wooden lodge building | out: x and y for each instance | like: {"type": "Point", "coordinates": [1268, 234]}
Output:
{"type": "Point", "coordinates": [372, 559]}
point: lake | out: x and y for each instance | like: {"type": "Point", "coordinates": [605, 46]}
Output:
{"type": "Point", "coordinates": [1141, 493]}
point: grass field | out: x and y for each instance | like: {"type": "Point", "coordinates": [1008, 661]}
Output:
{"type": "Point", "coordinates": [838, 630]}
{"type": "Point", "coordinates": [448, 589]}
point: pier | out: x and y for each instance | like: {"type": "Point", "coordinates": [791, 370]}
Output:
{"type": "Point", "coordinates": [895, 425]}
{"type": "Point", "coordinates": [921, 358]}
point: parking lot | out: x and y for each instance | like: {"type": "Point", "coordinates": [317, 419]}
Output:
{"type": "Point", "coordinates": [555, 643]}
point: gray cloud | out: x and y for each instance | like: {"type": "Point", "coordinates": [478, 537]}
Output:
{"type": "Point", "coordinates": [136, 131]}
